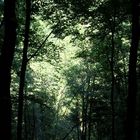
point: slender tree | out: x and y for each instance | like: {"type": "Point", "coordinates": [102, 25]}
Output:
{"type": "Point", "coordinates": [6, 58]}
{"type": "Point", "coordinates": [23, 70]}
{"type": "Point", "coordinates": [132, 82]}
{"type": "Point", "coordinates": [112, 77]}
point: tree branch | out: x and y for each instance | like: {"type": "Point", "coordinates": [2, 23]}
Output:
{"type": "Point", "coordinates": [42, 45]}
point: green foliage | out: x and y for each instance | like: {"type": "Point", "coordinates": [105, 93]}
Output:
{"type": "Point", "coordinates": [68, 77]}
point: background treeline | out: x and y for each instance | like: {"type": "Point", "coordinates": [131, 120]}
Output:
{"type": "Point", "coordinates": [69, 70]}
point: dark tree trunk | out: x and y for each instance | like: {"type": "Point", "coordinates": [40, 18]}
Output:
{"type": "Point", "coordinates": [111, 62]}
{"type": "Point", "coordinates": [23, 70]}
{"type": "Point", "coordinates": [6, 58]}
{"type": "Point", "coordinates": [89, 120]}
{"type": "Point", "coordinates": [112, 86]}
{"type": "Point", "coordinates": [112, 69]}
{"type": "Point", "coordinates": [84, 118]}
{"type": "Point", "coordinates": [132, 82]}
{"type": "Point", "coordinates": [25, 122]}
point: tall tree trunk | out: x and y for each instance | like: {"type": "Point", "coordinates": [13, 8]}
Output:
{"type": "Point", "coordinates": [138, 102]}
{"type": "Point", "coordinates": [112, 86]}
{"type": "Point", "coordinates": [6, 58]}
{"type": "Point", "coordinates": [132, 82]}
{"type": "Point", "coordinates": [23, 70]}
{"type": "Point", "coordinates": [111, 62]}
{"type": "Point", "coordinates": [112, 69]}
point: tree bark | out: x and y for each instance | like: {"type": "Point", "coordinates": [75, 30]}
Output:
{"type": "Point", "coordinates": [23, 70]}
{"type": "Point", "coordinates": [132, 81]}
{"type": "Point", "coordinates": [6, 58]}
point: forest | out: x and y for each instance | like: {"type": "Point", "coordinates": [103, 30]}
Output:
{"type": "Point", "coordinates": [69, 70]}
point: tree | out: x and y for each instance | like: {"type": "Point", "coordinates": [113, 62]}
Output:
{"type": "Point", "coordinates": [6, 58]}
{"type": "Point", "coordinates": [23, 70]}
{"type": "Point", "coordinates": [132, 80]}
{"type": "Point", "coordinates": [70, 69]}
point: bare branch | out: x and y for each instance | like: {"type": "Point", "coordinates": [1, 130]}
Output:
{"type": "Point", "coordinates": [42, 44]}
